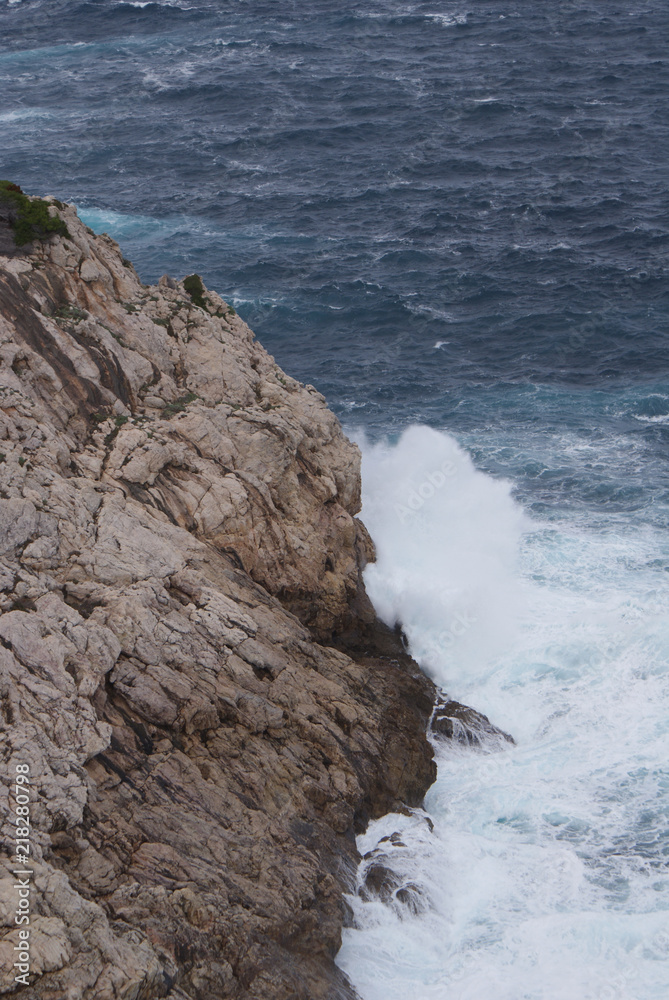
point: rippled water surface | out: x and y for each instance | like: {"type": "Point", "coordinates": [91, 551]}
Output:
{"type": "Point", "coordinates": [454, 216]}
{"type": "Point", "coordinates": [369, 180]}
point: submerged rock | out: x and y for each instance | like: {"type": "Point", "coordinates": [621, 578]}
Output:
{"type": "Point", "coordinates": [189, 665]}
{"type": "Point", "coordinates": [380, 881]}
{"type": "Point", "coordinates": [465, 725]}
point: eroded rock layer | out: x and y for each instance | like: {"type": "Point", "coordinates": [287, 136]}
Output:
{"type": "Point", "coordinates": [188, 662]}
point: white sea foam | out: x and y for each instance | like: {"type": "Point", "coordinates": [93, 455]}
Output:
{"type": "Point", "coordinates": [546, 876]}
{"type": "Point", "coordinates": [250, 168]}
{"type": "Point", "coordinates": [179, 4]}
{"type": "Point", "coordinates": [447, 20]}
{"type": "Point", "coordinates": [423, 310]}
{"type": "Point", "coordinates": [446, 538]}
{"type": "Point", "coordinates": [21, 114]}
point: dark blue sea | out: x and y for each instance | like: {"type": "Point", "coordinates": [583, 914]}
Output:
{"type": "Point", "coordinates": [453, 219]}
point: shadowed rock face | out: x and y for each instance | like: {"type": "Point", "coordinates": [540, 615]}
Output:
{"type": "Point", "coordinates": [8, 246]}
{"type": "Point", "coordinates": [188, 661]}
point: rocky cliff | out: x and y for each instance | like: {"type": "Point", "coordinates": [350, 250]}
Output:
{"type": "Point", "coordinates": [189, 666]}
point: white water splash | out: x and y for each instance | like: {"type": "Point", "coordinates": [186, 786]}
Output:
{"type": "Point", "coordinates": [546, 875]}
{"type": "Point", "coordinates": [447, 539]}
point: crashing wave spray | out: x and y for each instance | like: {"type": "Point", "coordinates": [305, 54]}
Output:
{"type": "Point", "coordinates": [544, 876]}
{"type": "Point", "coordinates": [446, 539]}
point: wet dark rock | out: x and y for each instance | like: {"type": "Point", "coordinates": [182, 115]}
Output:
{"type": "Point", "coordinates": [411, 898]}
{"type": "Point", "coordinates": [381, 882]}
{"type": "Point", "coordinates": [466, 726]}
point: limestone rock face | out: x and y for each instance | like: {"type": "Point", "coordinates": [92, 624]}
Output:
{"type": "Point", "coordinates": [189, 664]}
{"type": "Point", "coordinates": [178, 407]}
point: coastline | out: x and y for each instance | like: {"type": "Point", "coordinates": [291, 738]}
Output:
{"type": "Point", "coordinates": [191, 668]}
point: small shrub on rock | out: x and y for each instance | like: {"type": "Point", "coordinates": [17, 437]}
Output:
{"type": "Point", "coordinates": [29, 218]}
{"type": "Point", "coordinates": [195, 288]}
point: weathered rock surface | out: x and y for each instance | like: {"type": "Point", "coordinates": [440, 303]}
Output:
{"type": "Point", "coordinates": [188, 660]}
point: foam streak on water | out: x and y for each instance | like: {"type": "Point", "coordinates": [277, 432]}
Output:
{"type": "Point", "coordinates": [546, 875]}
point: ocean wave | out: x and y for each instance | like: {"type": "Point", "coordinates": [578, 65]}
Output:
{"type": "Point", "coordinates": [535, 859]}
{"type": "Point", "coordinates": [447, 20]}
{"type": "Point", "coordinates": [178, 4]}
{"type": "Point", "coordinates": [25, 114]}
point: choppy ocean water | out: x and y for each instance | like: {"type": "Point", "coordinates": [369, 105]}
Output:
{"type": "Point", "coordinates": [451, 217]}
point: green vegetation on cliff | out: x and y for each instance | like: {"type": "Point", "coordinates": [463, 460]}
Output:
{"type": "Point", "coordinates": [29, 218]}
{"type": "Point", "coordinates": [195, 288]}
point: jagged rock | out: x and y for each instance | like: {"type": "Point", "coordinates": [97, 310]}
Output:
{"type": "Point", "coordinates": [465, 725]}
{"type": "Point", "coordinates": [188, 660]}
{"type": "Point", "coordinates": [380, 876]}
{"type": "Point", "coordinates": [380, 881]}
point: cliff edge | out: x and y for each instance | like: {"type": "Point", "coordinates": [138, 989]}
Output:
{"type": "Point", "coordinates": [190, 670]}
